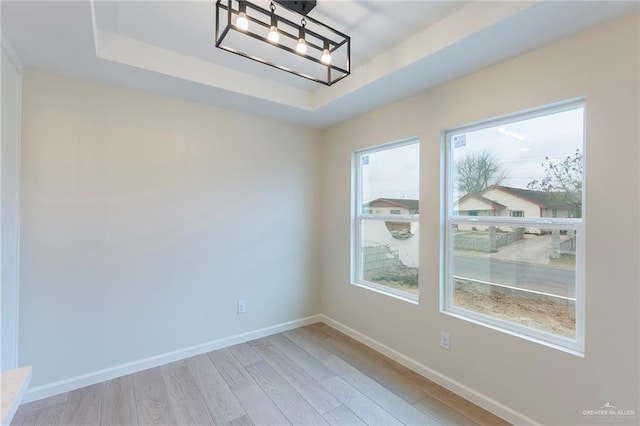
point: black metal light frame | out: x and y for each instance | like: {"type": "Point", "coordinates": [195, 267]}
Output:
{"type": "Point", "coordinates": [336, 41]}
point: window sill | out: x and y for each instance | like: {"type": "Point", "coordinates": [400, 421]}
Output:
{"type": "Point", "coordinates": [525, 333]}
{"type": "Point", "coordinates": [396, 294]}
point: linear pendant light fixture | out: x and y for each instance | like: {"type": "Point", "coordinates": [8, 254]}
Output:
{"type": "Point", "coordinates": [284, 38]}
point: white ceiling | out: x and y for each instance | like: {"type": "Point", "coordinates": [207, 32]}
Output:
{"type": "Point", "coordinates": [398, 48]}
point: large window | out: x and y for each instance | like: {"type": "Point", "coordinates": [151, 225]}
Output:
{"type": "Point", "coordinates": [514, 227]}
{"type": "Point", "coordinates": [385, 219]}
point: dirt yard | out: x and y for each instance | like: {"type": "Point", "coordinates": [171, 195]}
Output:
{"type": "Point", "coordinates": [547, 314]}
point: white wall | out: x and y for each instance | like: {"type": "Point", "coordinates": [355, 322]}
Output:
{"type": "Point", "coordinates": [377, 234]}
{"type": "Point", "coordinates": [10, 212]}
{"type": "Point", "coordinates": [144, 220]}
{"type": "Point", "coordinates": [547, 385]}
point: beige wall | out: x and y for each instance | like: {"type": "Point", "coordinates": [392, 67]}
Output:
{"type": "Point", "coordinates": [144, 220]}
{"type": "Point", "coordinates": [547, 385]}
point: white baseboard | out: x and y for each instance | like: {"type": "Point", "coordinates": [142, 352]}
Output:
{"type": "Point", "coordinates": [466, 392]}
{"type": "Point", "coordinates": [158, 360]}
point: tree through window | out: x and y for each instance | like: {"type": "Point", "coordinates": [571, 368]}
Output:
{"type": "Point", "coordinates": [514, 247]}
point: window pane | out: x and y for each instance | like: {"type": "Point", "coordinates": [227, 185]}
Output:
{"type": "Point", "coordinates": [389, 253]}
{"type": "Point", "coordinates": [524, 278]}
{"type": "Point", "coordinates": [529, 168]}
{"type": "Point", "coordinates": [386, 251]}
{"type": "Point", "coordinates": [390, 180]}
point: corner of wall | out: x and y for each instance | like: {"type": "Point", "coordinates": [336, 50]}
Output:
{"type": "Point", "coordinates": [13, 144]}
{"type": "Point", "coordinates": [11, 54]}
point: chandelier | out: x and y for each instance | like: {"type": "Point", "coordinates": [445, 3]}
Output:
{"type": "Point", "coordinates": [284, 38]}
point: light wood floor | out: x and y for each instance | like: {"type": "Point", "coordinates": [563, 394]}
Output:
{"type": "Point", "coordinates": [312, 375]}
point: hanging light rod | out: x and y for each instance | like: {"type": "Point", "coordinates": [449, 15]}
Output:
{"type": "Point", "coordinates": [285, 38]}
{"type": "Point", "coordinates": [303, 7]}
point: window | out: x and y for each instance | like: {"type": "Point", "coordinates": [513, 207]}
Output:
{"type": "Point", "coordinates": [514, 230]}
{"type": "Point", "coordinates": [385, 242]}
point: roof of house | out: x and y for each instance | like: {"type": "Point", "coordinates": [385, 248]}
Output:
{"type": "Point", "coordinates": [400, 202]}
{"type": "Point", "coordinates": [541, 198]}
{"type": "Point", "coordinates": [494, 204]}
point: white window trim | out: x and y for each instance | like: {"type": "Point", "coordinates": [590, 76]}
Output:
{"type": "Point", "coordinates": [577, 346]}
{"type": "Point", "coordinates": [358, 218]}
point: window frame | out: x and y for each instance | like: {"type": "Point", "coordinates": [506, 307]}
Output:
{"type": "Point", "coordinates": [577, 346]}
{"type": "Point", "coordinates": [358, 217]}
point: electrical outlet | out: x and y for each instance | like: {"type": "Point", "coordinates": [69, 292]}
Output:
{"type": "Point", "coordinates": [242, 307]}
{"type": "Point", "coordinates": [444, 340]}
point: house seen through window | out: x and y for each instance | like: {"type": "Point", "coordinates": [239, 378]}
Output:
{"type": "Point", "coordinates": [386, 231]}
{"type": "Point", "coordinates": [514, 247]}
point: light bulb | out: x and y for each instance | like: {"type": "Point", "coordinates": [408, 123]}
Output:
{"type": "Point", "coordinates": [326, 57]}
{"type": "Point", "coordinates": [301, 47]}
{"type": "Point", "coordinates": [242, 22]}
{"type": "Point", "coordinates": [273, 35]}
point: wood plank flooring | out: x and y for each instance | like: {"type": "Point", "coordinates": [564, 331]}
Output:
{"type": "Point", "coordinates": [312, 375]}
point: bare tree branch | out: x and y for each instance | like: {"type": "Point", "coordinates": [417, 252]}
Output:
{"type": "Point", "coordinates": [479, 170]}
{"type": "Point", "coordinates": [564, 179]}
